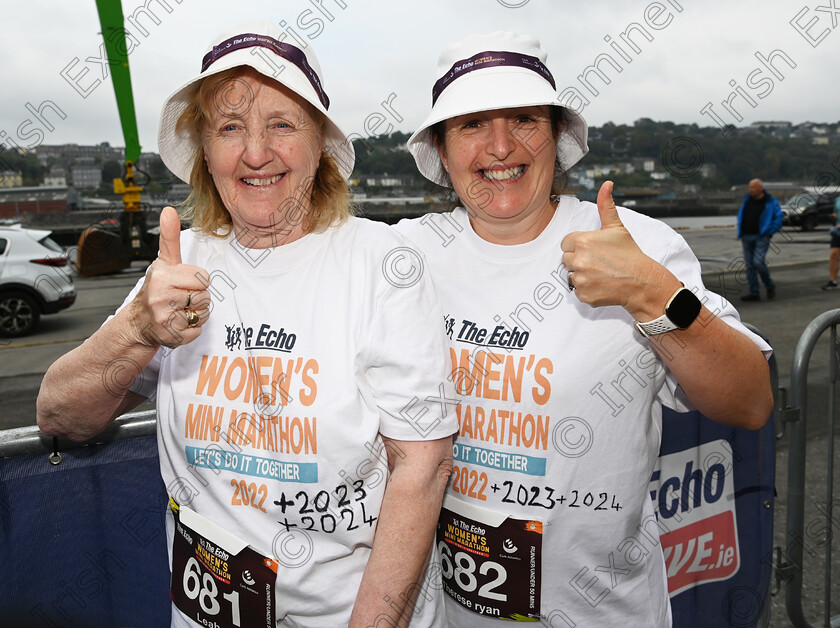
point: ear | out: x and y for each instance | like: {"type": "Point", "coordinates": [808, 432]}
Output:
{"type": "Point", "coordinates": [559, 124]}
{"type": "Point", "coordinates": [207, 162]}
{"type": "Point", "coordinates": [442, 153]}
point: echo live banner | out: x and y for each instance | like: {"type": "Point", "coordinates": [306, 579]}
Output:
{"type": "Point", "coordinates": [712, 490]}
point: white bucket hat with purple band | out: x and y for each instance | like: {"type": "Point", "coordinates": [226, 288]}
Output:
{"type": "Point", "coordinates": [258, 45]}
{"type": "Point", "coordinates": [486, 72]}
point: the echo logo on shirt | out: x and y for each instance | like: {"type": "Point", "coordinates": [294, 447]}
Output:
{"type": "Point", "coordinates": [502, 336]}
{"type": "Point", "coordinates": [248, 338]}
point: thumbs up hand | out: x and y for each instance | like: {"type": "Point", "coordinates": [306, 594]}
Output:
{"type": "Point", "coordinates": [173, 302]}
{"type": "Point", "coordinates": [607, 267]}
{"type": "Point", "coordinates": [607, 211]}
{"type": "Point", "coordinates": [170, 237]}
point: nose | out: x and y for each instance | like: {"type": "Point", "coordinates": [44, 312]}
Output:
{"type": "Point", "coordinates": [501, 144]}
{"type": "Point", "coordinates": [257, 150]}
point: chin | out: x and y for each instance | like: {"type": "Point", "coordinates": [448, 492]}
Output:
{"type": "Point", "coordinates": [504, 211]}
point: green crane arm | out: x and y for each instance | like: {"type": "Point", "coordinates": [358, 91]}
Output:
{"type": "Point", "coordinates": [113, 32]}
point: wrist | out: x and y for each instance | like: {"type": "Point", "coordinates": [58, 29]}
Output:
{"type": "Point", "coordinates": [132, 327]}
{"type": "Point", "coordinates": [681, 310]}
{"type": "Point", "coordinates": [649, 299]}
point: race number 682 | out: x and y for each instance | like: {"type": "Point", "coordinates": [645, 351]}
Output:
{"type": "Point", "coordinates": [461, 569]}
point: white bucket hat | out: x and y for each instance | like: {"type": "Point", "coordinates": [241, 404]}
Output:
{"type": "Point", "coordinates": [494, 71]}
{"type": "Point", "coordinates": [259, 45]}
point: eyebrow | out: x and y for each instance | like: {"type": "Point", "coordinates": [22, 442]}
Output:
{"type": "Point", "coordinates": [288, 114]}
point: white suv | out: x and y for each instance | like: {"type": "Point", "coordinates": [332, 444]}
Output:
{"type": "Point", "coordinates": [35, 279]}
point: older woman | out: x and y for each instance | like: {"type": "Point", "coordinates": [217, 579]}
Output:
{"type": "Point", "coordinates": [569, 323]}
{"type": "Point", "coordinates": [296, 370]}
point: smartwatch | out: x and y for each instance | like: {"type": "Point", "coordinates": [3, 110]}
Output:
{"type": "Point", "coordinates": [680, 311]}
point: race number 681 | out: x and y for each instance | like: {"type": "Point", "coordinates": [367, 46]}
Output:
{"type": "Point", "coordinates": [204, 588]}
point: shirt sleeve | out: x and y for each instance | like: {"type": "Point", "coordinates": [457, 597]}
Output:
{"type": "Point", "coordinates": [405, 355]}
{"type": "Point", "coordinates": [681, 261]}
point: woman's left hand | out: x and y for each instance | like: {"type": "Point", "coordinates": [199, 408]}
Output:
{"type": "Point", "coordinates": [720, 370]}
{"type": "Point", "coordinates": [607, 267]}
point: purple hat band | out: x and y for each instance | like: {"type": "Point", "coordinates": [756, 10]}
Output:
{"type": "Point", "coordinates": [287, 51]}
{"type": "Point", "coordinates": [490, 59]}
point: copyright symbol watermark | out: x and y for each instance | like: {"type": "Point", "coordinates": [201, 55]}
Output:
{"type": "Point", "coordinates": [572, 437]}
{"type": "Point", "coordinates": [742, 606]}
{"type": "Point", "coordinates": [402, 267]}
{"type": "Point", "coordinates": [233, 97]}
{"type": "Point", "coordinates": [682, 157]}
{"type": "Point", "coordinates": [119, 374]}
{"type": "Point", "coordinates": [513, 5]}
{"type": "Point", "coordinates": [292, 548]}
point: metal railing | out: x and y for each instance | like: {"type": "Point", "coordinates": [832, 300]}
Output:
{"type": "Point", "coordinates": [795, 421]}
{"type": "Point", "coordinates": [21, 441]}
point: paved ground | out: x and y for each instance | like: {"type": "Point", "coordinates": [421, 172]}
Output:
{"type": "Point", "coordinates": [24, 361]}
{"type": "Point", "coordinates": [798, 264]}
{"type": "Point", "coordinates": [799, 267]}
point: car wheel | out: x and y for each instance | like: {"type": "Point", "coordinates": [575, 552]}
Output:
{"type": "Point", "coordinates": [809, 223]}
{"type": "Point", "coordinates": [19, 314]}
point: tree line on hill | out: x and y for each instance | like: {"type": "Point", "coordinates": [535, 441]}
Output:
{"type": "Point", "coordinates": [737, 157]}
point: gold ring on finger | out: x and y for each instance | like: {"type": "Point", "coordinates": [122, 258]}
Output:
{"type": "Point", "coordinates": [189, 300]}
{"type": "Point", "coordinates": [192, 318]}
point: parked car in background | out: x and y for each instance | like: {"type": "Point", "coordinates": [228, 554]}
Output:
{"type": "Point", "coordinates": [35, 279]}
{"type": "Point", "coordinates": [807, 211]}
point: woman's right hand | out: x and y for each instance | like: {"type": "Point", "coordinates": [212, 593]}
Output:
{"type": "Point", "coordinates": [160, 313]}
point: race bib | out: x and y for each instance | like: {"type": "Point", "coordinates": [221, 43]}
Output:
{"type": "Point", "coordinates": [490, 561]}
{"type": "Point", "coordinates": [217, 579]}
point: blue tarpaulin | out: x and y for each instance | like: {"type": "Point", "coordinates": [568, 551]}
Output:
{"type": "Point", "coordinates": [82, 543]}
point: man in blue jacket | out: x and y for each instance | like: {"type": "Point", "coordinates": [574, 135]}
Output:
{"type": "Point", "coordinates": [759, 218]}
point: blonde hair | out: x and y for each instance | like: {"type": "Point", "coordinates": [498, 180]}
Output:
{"type": "Point", "coordinates": [329, 198]}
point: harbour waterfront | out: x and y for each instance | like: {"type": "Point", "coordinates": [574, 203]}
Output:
{"type": "Point", "coordinates": [701, 222]}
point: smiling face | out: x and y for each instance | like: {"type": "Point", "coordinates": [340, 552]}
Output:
{"type": "Point", "coordinates": [262, 145]}
{"type": "Point", "coordinates": [501, 164]}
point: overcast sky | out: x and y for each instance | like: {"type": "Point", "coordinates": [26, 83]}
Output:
{"type": "Point", "coordinates": [372, 49]}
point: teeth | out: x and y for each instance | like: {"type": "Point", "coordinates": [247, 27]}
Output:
{"type": "Point", "coordinates": [503, 175]}
{"type": "Point", "coordinates": [262, 182]}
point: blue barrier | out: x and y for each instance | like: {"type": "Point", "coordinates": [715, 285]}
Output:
{"type": "Point", "coordinates": [709, 479]}
{"type": "Point", "coordinates": [82, 543]}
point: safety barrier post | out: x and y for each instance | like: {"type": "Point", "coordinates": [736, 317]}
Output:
{"type": "Point", "coordinates": [791, 566]}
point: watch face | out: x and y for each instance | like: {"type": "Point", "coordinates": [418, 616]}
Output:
{"type": "Point", "coordinates": [683, 308]}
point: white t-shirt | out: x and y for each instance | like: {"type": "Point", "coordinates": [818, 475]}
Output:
{"type": "Point", "coordinates": [560, 425]}
{"type": "Point", "coordinates": [270, 422]}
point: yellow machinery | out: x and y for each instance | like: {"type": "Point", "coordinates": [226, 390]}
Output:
{"type": "Point", "coordinates": [102, 251]}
